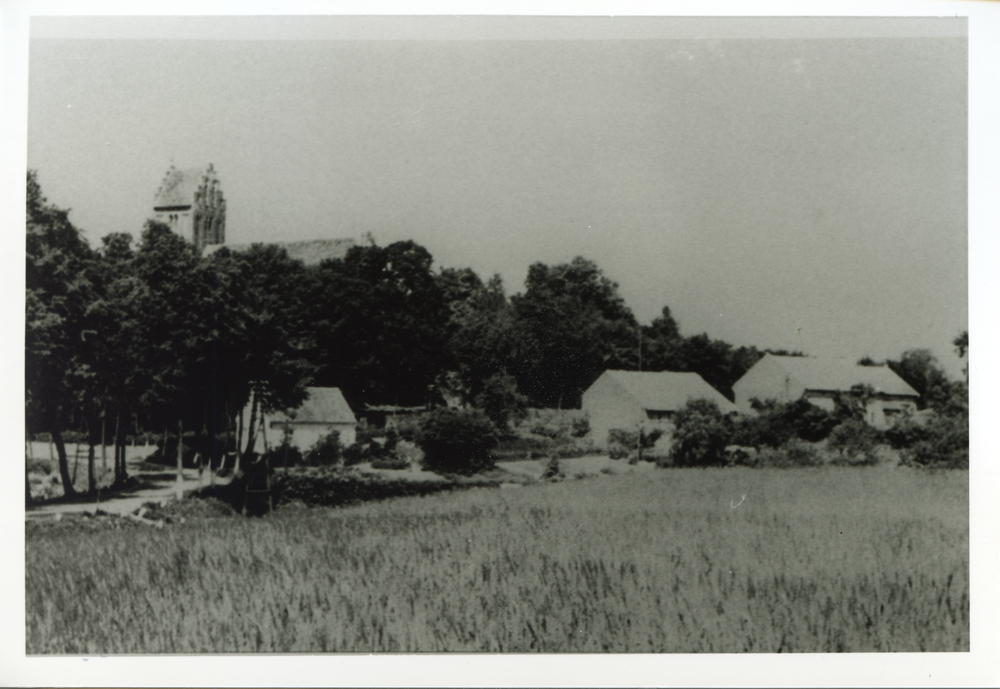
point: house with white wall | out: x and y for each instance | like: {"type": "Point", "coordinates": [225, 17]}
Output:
{"type": "Point", "coordinates": [631, 400]}
{"type": "Point", "coordinates": [820, 381]}
{"type": "Point", "coordinates": [325, 410]}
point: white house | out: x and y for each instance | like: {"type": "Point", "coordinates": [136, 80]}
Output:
{"type": "Point", "coordinates": [632, 399]}
{"type": "Point", "coordinates": [325, 410]}
{"type": "Point", "coordinates": [788, 378]}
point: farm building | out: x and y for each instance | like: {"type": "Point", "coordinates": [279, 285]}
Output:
{"type": "Point", "coordinates": [325, 410]}
{"type": "Point", "coordinates": [787, 378]}
{"type": "Point", "coordinates": [632, 399]}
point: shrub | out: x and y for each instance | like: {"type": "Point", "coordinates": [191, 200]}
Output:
{"type": "Point", "coordinates": [701, 434]}
{"type": "Point", "coordinates": [70, 437]}
{"type": "Point", "coordinates": [355, 453]}
{"type": "Point", "coordinates": [39, 466]}
{"type": "Point", "coordinates": [801, 454]}
{"type": "Point", "coordinates": [546, 431]}
{"type": "Point", "coordinates": [326, 451]}
{"type": "Point", "coordinates": [659, 457]}
{"type": "Point", "coordinates": [552, 471]}
{"type": "Point", "coordinates": [855, 442]}
{"type": "Point", "coordinates": [407, 427]}
{"type": "Point", "coordinates": [391, 440]}
{"type": "Point", "coordinates": [501, 401]}
{"type": "Point", "coordinates": [775, 424]}
{"type": "Point", "coordinates": [365, 434]}
{"type": "Point", "coordinates": [616, 451]}
{"type": "Point", "coordinates": [794, 453]}
{"type": "Point", "coordinates": [581, 427]}
{"type": "Point", "coordinates": [285, 455]}
{"type": "Point", "coordinates": [409, 452]}
{"type": "Point", "coordinates": [395, 463]}
{"type": "Point", "coordinates": [457, 441]}
{"type": "Point", "coordinates": [569, 450]}
{"type": "Point", "coordinates": [621, 442]}
{"type": "Point", "coordinates": [517, 447]}
{"type": "Point", "coordinates": [946, 445]}
{"type": "Point", "coordinates": [906, 433]}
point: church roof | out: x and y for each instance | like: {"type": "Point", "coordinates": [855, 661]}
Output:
{"type": "Point", "coordinates": [179, 185]}
{"type": "Point", "coordinates": [311, 252]}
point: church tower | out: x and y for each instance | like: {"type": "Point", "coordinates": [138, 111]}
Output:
{"type": "Point", "coordinates": [190, 202]}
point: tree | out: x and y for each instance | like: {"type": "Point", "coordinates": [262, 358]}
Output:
{"type": "Point", "coordinates": [701, 434]}
{"type": "Point", "coordinates": [457, 442]}
{"type": "Point", "coordinates": [501, 401]}
{"type": "Point", "coordinates": [718, 362]}
{"type": "Point", "coordinates": [853, 405]}
{"type": "Point", "coordinates": [962, 349]}
{"type": "Point", "coordinates": [175, 323]}
{"type": "Point", "coordinates": [661, 341]}
{"type": "Point", "coordinates": [920, 369]}
{"type": "Point", "coordinates": [262, 341]}
{"type": "Point", "coordinates": [58, 290]}
{"type": "Point", "coordinates": [381, 324]}
{"type": "Point", "coordinates": [775, 423]}
{"type": "Point", "coordinates": [961, 343]}
{"type": "Point", "coordinates": [571, 325]}
{"type": "Point", "coordinates": [481, 335]}
{"type": "Point", "coordinates": [117, 354]}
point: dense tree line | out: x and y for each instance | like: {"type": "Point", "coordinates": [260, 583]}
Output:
{"type": "Point", "coordinates": [158, 338]}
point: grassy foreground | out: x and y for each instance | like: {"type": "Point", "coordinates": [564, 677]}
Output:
{"type": "Point", "coordinates": [675, 560]}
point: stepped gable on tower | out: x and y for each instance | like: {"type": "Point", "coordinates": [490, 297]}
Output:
{"type": "Point", "coordinates": [191, 203]}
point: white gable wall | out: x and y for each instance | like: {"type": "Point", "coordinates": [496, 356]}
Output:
{"type": "Point", "coordinates": [305, 435]}
{"type": "Point", "coordinates": [766, 380]}
{"type": "Point", "coordinates": [608, 405]}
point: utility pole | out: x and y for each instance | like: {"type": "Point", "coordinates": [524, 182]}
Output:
{"type": "Point", "coordinates": [638, 328]}
{"type": "Point", "coordinates": [638, 442]}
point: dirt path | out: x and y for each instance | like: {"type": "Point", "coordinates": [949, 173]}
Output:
{"type": "Point", "coordinates": [153, 483]}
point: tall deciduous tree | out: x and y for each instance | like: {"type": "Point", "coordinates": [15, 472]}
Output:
{"type": "Point", "coordinates": [481, 334]}
{"type": "Point", "coordinates": [921, 370]}
{"type": "Point", "coordinates": [262, 340]}
{"type": "Point", "coordinates": [174, 323]}
{"type": "Point", "coordinates": [381, 323]}
{"type": "Point", "coordinates": [572, 324]}
{"type": "Point", "coordinates": [58, 291]}
{"type": "Point", "coordinates": [961, 344]}
{"type": "Point", "coordinates": [118, 353]}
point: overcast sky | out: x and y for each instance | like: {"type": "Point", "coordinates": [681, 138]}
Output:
{"type": "Point", "coordinates": [780, 183]}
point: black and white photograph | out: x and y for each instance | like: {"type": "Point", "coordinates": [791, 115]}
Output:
{"type": "Point", "coordinates": [485, 334]}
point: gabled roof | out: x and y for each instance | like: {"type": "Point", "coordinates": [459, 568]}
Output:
{"type": "Point", "coordinates": [840, 375]}
{"type": "Point", "coordinates": [668, 390]}
{"type": "Point", "coordinates": [178, 186]}
{"type": "Point", "coordinates": [310, 252]}
{"type": "Point", "coordinates": [324, 405]}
